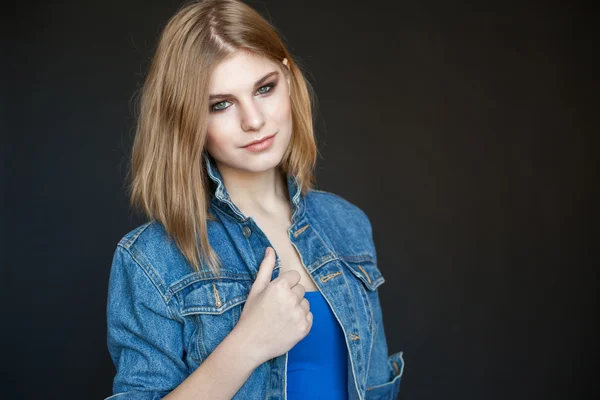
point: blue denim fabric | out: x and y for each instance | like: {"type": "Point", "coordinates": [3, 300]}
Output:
{"type": "Point", "coordinates": [164, 318]}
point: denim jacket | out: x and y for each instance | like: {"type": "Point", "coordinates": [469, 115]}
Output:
{"type": "Point", "coordinates": [164, 318]}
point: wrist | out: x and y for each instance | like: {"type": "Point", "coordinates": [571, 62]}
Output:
{"type": "Point", "coordinates": [244, 349]}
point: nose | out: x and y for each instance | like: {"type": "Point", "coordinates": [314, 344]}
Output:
{"type": "Point", "coordinates": [252, 117]}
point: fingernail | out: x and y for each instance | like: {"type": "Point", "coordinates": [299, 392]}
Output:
{"type": "Point", "coordinates": [267, 252]}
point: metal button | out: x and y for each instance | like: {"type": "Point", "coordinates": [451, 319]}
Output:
{"type": "Point", "coordinates": [247, 231]}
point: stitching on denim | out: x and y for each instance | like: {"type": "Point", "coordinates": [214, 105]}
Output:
{"type": "Point", "coordinates": [136, 233]}
{"type": "Point", "coordinates": [327, 277]}
{"type": "Point", "coordinates": [147, 271]}
{"type": "Point", "coordinates": [320, 262]}
{"type": "Point", "coordinates": [330, 252]}
{"type": "Point", "coordinates": [352, 365]}
{"type": "Point", "coordinates": [373, 338]}
{"type": "Point", "coordinates": [395, 377]}
{"type": "Point", "coordinates": [252, 256]}
{"type": "Point", "coordinates": [211, 310]}
{"type": "Point", "coordinates": [115, 395]}
{"type": "Point", "coordinates": [218, 302]}
{"type": "Point", "coordinates": [366, 275]}
{"type": "Point", "coordinates": [371, 285]}
{"type": "Point", "coordinates": [228, 216]}
{"type": "Point", "coordinates": [337, 196]}
{"type": "Point", "coordinates": [201, 349]}
{"type": "Point", "coordinates": [366, 257]}
{"type": "Point", "coordinates": [299, 231]}
{"type": "Point", "coordinates": [152, 273]}
{"type": "Point", "coordinates": [194, 278]}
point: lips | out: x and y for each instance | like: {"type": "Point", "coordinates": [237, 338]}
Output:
{"type": "Point", "coordinates": [259, 140]}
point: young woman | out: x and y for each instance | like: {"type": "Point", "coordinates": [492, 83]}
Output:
{"type": "Point", "coordinates": [246, 282]}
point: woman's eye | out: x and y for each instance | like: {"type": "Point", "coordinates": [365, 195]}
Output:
{"type": "Point", "coordinates": [222, 105]}
{"type": "Point", "coordinates": [218, 106]}
{"type": "Point", "coordinates": [267, 87]}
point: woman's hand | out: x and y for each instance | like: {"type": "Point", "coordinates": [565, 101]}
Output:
{"type": "Point", "coordinates": [276, 315]}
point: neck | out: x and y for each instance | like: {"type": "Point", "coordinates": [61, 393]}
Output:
{"type": "Point", "coordinates": [254, 193]}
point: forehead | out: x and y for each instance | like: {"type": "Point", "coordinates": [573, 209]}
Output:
{"type": "Point", "coordinates": [239, 72]}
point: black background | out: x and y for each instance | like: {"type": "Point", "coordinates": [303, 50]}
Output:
{"type": "Point", "coordinates": [466, 131]}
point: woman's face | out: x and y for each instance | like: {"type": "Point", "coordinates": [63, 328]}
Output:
{"type": "Point", "coordinates": [249, 100]}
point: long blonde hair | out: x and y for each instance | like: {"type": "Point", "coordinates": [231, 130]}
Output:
{"type": "Point", "coordinates": [169, 182]}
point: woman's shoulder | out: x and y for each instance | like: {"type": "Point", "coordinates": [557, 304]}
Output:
{"type": "Point", "coordinates": [344, 222]}
{"type": "Point", "coordinates": [148, 238]}
{"type": "Point", "coordinates": [129, 239]}
{"type": "Point", "coordinates": [156, 252]}
{"type": "Point", "coordinates": [333, 205]}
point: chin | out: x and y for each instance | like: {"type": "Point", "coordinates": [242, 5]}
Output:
{"type": "Point", "coordinates": [263, 162]}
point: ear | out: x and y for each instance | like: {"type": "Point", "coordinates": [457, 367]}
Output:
{"type": "Point", "coordinates": [286, 63]}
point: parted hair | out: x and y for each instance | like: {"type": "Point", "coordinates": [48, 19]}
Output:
{"type": "Point", "coordinates": [167, 179]}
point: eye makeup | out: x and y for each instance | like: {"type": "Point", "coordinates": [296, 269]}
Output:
{"type": "Point", "coordinates": [269, 88]}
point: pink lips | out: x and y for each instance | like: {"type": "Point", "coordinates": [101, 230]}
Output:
{"type": "Point", "coordinates": [262, 145]}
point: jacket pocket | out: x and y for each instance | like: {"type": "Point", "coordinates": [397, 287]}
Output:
{"type": "Point", "coordinates": [214, 307]}
{"type": "Point", "coordinates": [388, 390]}
{"type": "Point", "coordinates": [365, 278]}
{"type": "Point", "coordinates": [365, 269]}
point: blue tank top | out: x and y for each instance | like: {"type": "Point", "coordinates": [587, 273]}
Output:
{"type": "Point", "coordinates": [317, 364]}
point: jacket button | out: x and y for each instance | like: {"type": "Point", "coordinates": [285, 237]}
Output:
{"type": "Point", "coordinates": [247, 231]}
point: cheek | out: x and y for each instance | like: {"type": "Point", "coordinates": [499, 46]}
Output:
{"type": "Point", "coordinates": [219, 126]}
{"type": "Point", "coordinates": [217, 137]}
{"type": "Point", "coordinates": [222, 127]}
{"type": "Point", "coordinates": [282, 110]}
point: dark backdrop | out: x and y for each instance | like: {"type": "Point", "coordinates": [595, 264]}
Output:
{"type": "Point", "coordinates": [465, 131]}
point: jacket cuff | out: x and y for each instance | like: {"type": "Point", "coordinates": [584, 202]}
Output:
{"type": "Point", "coordinates": [137, 395]}
{"type": "Point", "coordinates": [389, 390]}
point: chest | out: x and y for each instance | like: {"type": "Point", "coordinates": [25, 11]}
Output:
{"type": "Point", "coordinates": [276, 231]}
{"type": "Point", "coordinates": [331, 256]}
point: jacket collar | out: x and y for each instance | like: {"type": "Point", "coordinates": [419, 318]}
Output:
{"type": "Point", "coordinates": [221, 200]}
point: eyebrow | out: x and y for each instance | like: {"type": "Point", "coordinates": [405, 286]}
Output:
{"type": "Point", "coordinates": [257, 83]}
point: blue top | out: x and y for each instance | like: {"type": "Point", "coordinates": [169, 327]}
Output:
{"type": "Point", "coordinates": [317, 364]}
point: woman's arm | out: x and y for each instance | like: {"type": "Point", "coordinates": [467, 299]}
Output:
{"type": "Point", "coordinates": [222, 374]}
{"type": "Point", "coordinates": [385, 370]}
{"type": "Point", "coordinates": [145, 341]}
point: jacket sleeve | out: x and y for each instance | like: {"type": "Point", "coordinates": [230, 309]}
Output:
{"type": "Point", "coordinates": [383, 382]}
{"type": "Point", "coordinates": [394, 363]}
{"type": "Point", "coordinates": [144, 340]}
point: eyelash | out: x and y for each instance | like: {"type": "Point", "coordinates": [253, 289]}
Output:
{"type": "Point", "coordinates": [271, 86]}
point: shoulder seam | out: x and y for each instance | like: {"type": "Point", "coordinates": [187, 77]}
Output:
{"type": "Point", "coordinates": [128, 242]}
{"type": "Point", "coordinates": [349, 203]}
{"type": "Point", "coordinates": [322, 191]}
{"type": "Point", "coordinates": [338, 197]}
{"type": "Point", "coordinates": [331, 194]}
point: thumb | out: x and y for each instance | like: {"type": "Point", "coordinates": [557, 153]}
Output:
{"type": "Point", "coordinates": [265, 270]}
